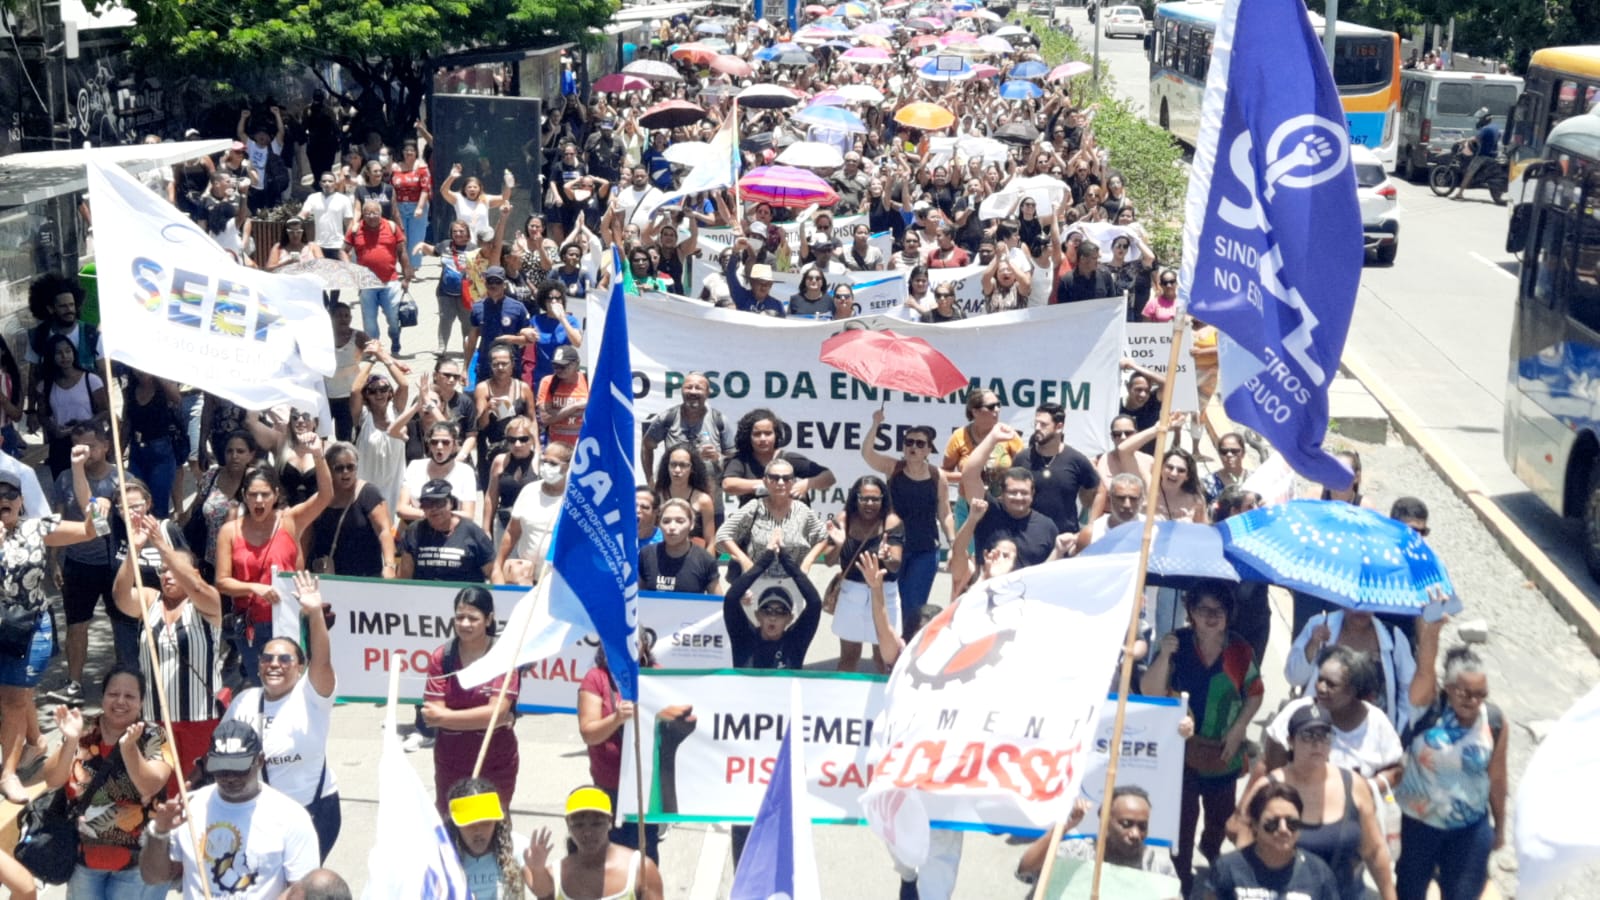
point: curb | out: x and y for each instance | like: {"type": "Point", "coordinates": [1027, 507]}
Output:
{"type": "Point", "coordinates": [1568, 599]}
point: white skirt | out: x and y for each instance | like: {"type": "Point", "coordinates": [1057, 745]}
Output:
{"type": "Point", "coordinates": [852, 618]}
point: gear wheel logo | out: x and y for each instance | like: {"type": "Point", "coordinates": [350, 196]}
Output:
{"type": "Point", "coordinates": [943, 655]}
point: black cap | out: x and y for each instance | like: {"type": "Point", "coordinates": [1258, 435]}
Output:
{"type": "Point", "coordinates": [435, 489]}
{"type": "Point", "coordinates": [235, 746]}
{"type": "Point", "coordinates": [565, 355]}
{"type": "Point", "coordinates": [1310, 716]}
{"type": "Point", "coordinates": [775, 595]}
{"type": "Point", "coordinates": [494, 273]}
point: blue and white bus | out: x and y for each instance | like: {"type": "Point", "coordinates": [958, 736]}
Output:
{"type": "Point", "coordinates": [1366, 68]}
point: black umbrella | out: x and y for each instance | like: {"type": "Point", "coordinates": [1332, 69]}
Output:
{"type": "Point", "coordinates": [671, 114]}
{"type": "Point", "coordinates": [1020, 133]}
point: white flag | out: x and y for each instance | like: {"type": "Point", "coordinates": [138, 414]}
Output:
{"type": "Point", "coordinates": [1556, 834]}
{"type": "Point", "coordinates": [175, 304]}
{"type": "Point", "coordinates": [719, 169]}
{"type": "Point", "coordinates": [411, 854]}
{"type": "Point", "coordinates": [531, 634]}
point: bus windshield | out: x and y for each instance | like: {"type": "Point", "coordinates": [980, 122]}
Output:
{"type": "Point", "coordinates": [1362, 64]}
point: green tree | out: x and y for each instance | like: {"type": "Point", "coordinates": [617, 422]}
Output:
{"type": "Point", "coordinates": [384, 46]}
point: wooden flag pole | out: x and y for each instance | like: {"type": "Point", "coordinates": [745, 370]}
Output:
{"type": "Point", "coordinates": [505, 682]}
{"type": "Point", "coordinates": [1125, 677]}
{"type": "Point", "coordinates": [144, 625]}
{"type": "Point", "coordinates": [638, 786]}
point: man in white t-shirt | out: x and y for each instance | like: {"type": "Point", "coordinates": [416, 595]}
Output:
{"type": "Point", "coordinates": [533, 516]}
{"type": "Point", "coordinates": [333, 213]}
{"type": "Point", "coordinates": [257, 841]}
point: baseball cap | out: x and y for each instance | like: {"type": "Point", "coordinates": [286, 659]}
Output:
{"type": "Point", "coordinates": [191, 133]}
{"type": "Point", "coordinates": [565, 355]}
{"type": "Point", "coordinates": [234, 747]}
{"type": "Point", "coordinates": [435, 489]}
{"type": "Point", "coordinates": [1307, 718]}
{"type": "Point", "coordinates": [588, 799]}
{"type": "Point", "coordinates": [760, 272]}
{"type": "Point", "coordinates": [775, 595]}
{"type": "Point", "coordinates": [11, 478]}
{"type": "Point", "coordinates": [494, 273]}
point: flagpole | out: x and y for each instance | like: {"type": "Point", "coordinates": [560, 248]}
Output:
{"type": "Point", "coordinates": [144, 617]}
{"type": "Point", "coordinates": [505, 681]}
{"type": "Point", "coordinates": [638, 786]}
{"type": "Point", "coordinates": [738, 204]}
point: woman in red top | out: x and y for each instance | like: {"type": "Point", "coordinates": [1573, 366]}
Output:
{"type": "Point", "coordinates": [412, 184]}
{"type": "Point", "coordinates": [462, 714]}
{"type": "Point", "coordinates": [945, 254]}
{"type": "Point", "coordinates": [601, 714]}
{"type": "Point", "coordinates": [263, 538]}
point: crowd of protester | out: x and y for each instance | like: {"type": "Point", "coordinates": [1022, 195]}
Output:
{"type": "Point", "coordinates": [456, 474]}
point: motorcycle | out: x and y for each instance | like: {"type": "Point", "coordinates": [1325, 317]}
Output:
{"type": "Point", "coordinates": [1446, 175]}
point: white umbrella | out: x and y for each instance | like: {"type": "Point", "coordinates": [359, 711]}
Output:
{"type": "Point", "coordinates": [860, 93]}
{"type": "Point", "coordinates": [653, 70]}
{"type": "Point", "coordinates": [686, 153]}
{"type": "Point", "coordinates": [1006, 31]}
{"type": "Point", "coordinates": [811, 155]}
{"type": "Point", "coordinates": [985, 148]}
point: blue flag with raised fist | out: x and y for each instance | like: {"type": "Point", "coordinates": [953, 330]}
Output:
{"type": "Point", "coordinates": [596, 545]}
{"type": "Point", "coordinates": [1272, 236]}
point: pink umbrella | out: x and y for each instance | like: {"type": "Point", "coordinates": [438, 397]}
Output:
{"type": "Point", "coordinates": [956, 38]}
{"type": "Point", "coordinates": [1067, 70]}
{"type": "Point", "coordinates": [786, 186]}
{"type": "Point", "coordinates": [995, 44]}
{"type": "Point", "coordinates": [879, 29]}
{"type": "Point", "coordinates": [731, 65]}
{"type": "Point", "coordinates": [984, 70]}
{"type": "Point", "coordinates": [618, 83]}
{"type": "Point", "coordinates": [829, 98]}
{"type": "Point", "coordinates": [857, 54]}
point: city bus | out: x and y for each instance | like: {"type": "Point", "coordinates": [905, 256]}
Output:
{"type": "Point", "coordinates": [1561, 82]}
{"type": "Point", "coordinates": [1552, 411]}
{"type": "Point", "coordinates": [1366, 68]}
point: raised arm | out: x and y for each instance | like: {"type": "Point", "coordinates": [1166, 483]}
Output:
{"type": "Point", "coordinates": [447, 188]}
{"type": "Point", "coordinates": [319, 650]}
{"type": "Point", "coordinates": [878, 461]}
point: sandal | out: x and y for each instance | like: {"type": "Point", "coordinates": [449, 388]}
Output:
{"type": "Point", "coordinates": [11, 788]}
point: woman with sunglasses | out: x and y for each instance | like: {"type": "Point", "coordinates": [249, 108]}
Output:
{"type": "Point", "coordinates": [298, 470]}
{"type": "Point", "coordinates": [755, 442]}
{"type": "Point", "coordinates": [512, 470]}
{"type": "Point", "coordinates": [443, 462]}
{"type": "Point", "coordinates": [293, 246]}
{"type": "Point", "coordinates": [380, 431]}
{"type": "Point", "coordinates": [1272, 866]}
{"type": "Point", "coordinates": [812, 299]}
{"type": "Point", "coordinates": [867, 527]}
{"type": "Point", "coordinates": [1231, 471]}
{"type": "Point", "coordinates": [777, 508]}
{"type": "Point", "coordinates": [1339, 818]}
{"type": "Point", "coordinates": [292, 711]}
{"type": "Point", "coordinates": [354, 534]}
{"type": "Point", "coordinates": [917, 491]}
{"type": "Point", "coordinates": [1164, 305]}
{"type": "Point", "coordinates": [1217, 670]}
{"type": "Point", "coordinates": [499, 398]}
{"type": "Point", "coordinates": [1453, 794]}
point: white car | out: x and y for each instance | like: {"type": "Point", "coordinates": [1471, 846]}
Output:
{"type": "Point", "coordinates": [1380, 204]}
{"type": "Point", "coordinates": [1124, 20]}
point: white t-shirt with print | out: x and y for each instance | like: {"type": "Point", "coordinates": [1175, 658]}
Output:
{"type": "Point", "coordinates": [295, 738]}
{"type": "Point", "coordinates": [463, 481]}
{"type": "Point", "coordinates": [1367, 749]}
{"type": "Point", "coordinates": [253, 850]}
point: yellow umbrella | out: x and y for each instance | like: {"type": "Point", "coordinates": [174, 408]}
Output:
{"type": "Point", "coordinates": [926, 116]}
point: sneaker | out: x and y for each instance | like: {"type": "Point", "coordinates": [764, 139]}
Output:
{"type": "Point", "coordinates": [416, 741]}
{"type": "Point", "coordinates": [70, 693]}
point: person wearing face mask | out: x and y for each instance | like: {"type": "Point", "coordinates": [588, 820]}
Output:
{"type": "Point", "coordinates": [533, 516]}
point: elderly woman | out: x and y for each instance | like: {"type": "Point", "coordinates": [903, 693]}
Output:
{"type": "Point", "coordinates": [1361, 632]}
{"type": "Point", "coordinates": [1453, 796]}
{"type": "Point", "coordinates": [292, 711]}
{"type": "Point", "coordinates": [1272, 865]}
{"type": "Point", "coordinates": [1340, 813]}
{"type": "Point", "coordinates": [802, 529]}
{"type": "Point", "coordinates": [1217, 670]}
{"type": "Point", "coordinates": [593, 866]}
{"type": "Point", "coordinates": [354, 534]}
{"type": "Point", "coordinates": [1363, 739]}
{"type": "Point", "coordinates": [112, 771]}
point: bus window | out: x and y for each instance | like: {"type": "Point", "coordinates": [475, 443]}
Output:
{"type": "Point", "coordinates": [1544, 256]}
{"type": "Point", "coordinates": [1170, 46]}
{"type": "Point", "coordinates": [1362, 63]}
{"type": "Point", "coordinates": [1583, 300]}
{"type": "Point", "coordinates": [1200, 53]}
{"type": "Point", "coordinates": [1183, 48]}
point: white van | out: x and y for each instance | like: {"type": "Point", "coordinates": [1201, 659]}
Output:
{"type": "Point", "coordinates": [1436, 111]}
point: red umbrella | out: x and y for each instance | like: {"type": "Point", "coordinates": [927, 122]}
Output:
{"type": "Point", "coordinates": [888, 360]}
{"type": "Point", "coordinates": [618, 83]}
{"type": "Point", "coordinates": [731, 65]}
{"type": "Point", "coordinates": [671, 114]}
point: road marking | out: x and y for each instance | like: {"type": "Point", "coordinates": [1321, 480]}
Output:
{"type": "Point", "coordinates": [1499, 269]}
{"type": "Point", "coordinates": [714, 850]}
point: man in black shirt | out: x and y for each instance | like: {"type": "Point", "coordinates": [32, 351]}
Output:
{"type": "Point", "coordinates": [1033, 533]}
{"type": "Point", "coordinates": [444, 545]}
{"type": "Point", "coordinates": [1063, 478]}
{"type": "Point", "coordinates": [1086, 281]}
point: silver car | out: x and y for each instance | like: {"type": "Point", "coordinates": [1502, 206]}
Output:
{"type": "Point", "coordinates": [1124, 20]}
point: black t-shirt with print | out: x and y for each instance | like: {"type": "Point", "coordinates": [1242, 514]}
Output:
{"type": "Point", "coordinates": [460, 555]}
{"type": "Point", "coordinates": [693, 573]}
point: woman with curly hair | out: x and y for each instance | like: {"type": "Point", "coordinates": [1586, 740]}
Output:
{"type": "Point", "coordinates": [490, 852]}
{"type": "Point", "coordinates": [756, 441]}
{"type": "Point", "coordinates": [682, 475]}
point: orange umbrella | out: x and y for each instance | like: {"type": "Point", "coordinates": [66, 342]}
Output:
{"type": "Point", "coordinates": [926, 116]}
{"type": "Point", "coordinates": [698, 54]}
{"type": "Point", "coordinates": [731, 65]}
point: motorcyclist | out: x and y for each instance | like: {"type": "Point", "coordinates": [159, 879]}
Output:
{"type": "Point", "coordinates": [1484, 148]}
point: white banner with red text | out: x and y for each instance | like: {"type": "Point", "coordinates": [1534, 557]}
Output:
{"type": "Point", "coordinates": [378, 623]}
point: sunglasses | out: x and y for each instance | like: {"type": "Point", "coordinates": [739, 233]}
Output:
{"type": "Point", "coordinates": [441, 442]}
{"type": "Point", "coordinates": [522, 439]}
{"type": "Point", "coordinates": [379, 390]}
{"type": "Point", "coordinates": [1423, 531]}
{"type": "Point", "coordinates": [780, 479]}
{"type": "Point", "coordinates": [1166, 283]}
{"type": "Point", "coordinates": [344, 469]}
{"type": "Point", "coordinates": [7, 492]}
{"type": "Point", "coordinates": [1315, 736]}
{"type": "Point", "coordinates": [1123, 434]}
{"type": "Point", "coordinates": [450, 376]}
{"type": "Point", "coordinates": [916, 443]}
{"type": "Point", "coordinates": [774, 612]}
{"type": "Point", "coordinates": [1271, 824]}
{"type": "Point", "coordinates": [989, 406]}
{"type": "Point", "coordinates": [1232, 451]}
{"type": "Point", "coordinates": [282, 659]}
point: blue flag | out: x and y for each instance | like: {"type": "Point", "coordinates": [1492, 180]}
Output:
{"type": "Point", "coordinates": [778, 858]}
{"type": "Point", "coordinates": [1272, 237]}
{"type": "Point", "coordinates": [596, 546]}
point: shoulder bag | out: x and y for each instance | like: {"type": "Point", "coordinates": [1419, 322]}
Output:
{"type": "Point", "coordinates": [830, 597]}
{"type": "Point", "coordinates": [324, 565]}
{"type": "Point", "coordinates": [47, 828]}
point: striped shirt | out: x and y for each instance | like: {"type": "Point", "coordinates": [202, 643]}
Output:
{"type": "Point", "coordinates": [191, 664]}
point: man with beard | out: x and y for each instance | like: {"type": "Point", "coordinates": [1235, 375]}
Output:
{"type": "Point", "coordinates": [1064, 480]}
{"type": "Point", "coordinates": [694, 423]}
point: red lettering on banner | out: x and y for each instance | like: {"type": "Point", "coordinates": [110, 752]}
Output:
{"type": "Point", "coordinates": [997, 761]}
{"type": "Point", "coordinates": [1035, 774]}
{"type": "Point", "coordinates": [379, 659]}
{"type": "Point", "coordinates": [749, 769]}
{"type": "Point", "coordinates": [851, 775]}
{"type": "Point", "coordinates": [556, 669]}
{"type": "Point", "coordinates": [967, 769]}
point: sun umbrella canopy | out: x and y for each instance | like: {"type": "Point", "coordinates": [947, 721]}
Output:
{"type": "Point", "coordinates": [786, 186]}
{"type": "Point", "coordinates": [828, 98]}
{"type": "Point", "coordinates": [618, 83]}
{"type": "Point", "coordinates": [697, 54]}
{"type": "Point", "coordinates": [767, 96]}
{"type": "Point", "coordinates": [871, 56]}
{"type": "Point", "coordinates": [926, 116]}
{"type": "Point", "coordinates": [1346, 554]}
{"type": "Point", "coordinates": [885, 359]}
{"type": "Point", "coordinates": [997, 45]}
{"type": "Point", "coordinates": [1021, 90]}
{"type": "Point", "coordinates": [931, 71]}
{"type": "Point", "coordinates": [672, 114]}
{"type": "Point", "coordinates": [811, 155]}
{"type": "Point", "coordinates": [983, 70]}
{"type": "Point", "coordinates": [731, 65]}
{"type": "Point", "coordinates": [710, 28]}
{"type": "Point", "coordinates": [1182, 554]}
{"type": "Point", "coordinates": [880, 29]}
{"type": "Point", "coordinates": [925, 23]}
{"type": "Point", "coordinates": [852, 11]}
{"type": "Point", "coordinates": [1030, 69]}
{"type": "Point", "coordinates": [1068, 70]}
{"type": "Point", "coordinates": [816, 9]}
{"type": "Point", "coordinates": [833, 117]}
{"type": "Point", "coordinates": [653, 70]}
{"type": "Point", "coordinates": [336, 275]}
{"type": "Point", "coordinates": [860, 93]}
{"type": "Point", "coordinates": [795, 57]}
{"type": "Point", "coordinates": [1007, 31]}
{"type": "Point", "coordinates": [686, 153]}
{"type": "Point", "coordinates": [1020, 133]}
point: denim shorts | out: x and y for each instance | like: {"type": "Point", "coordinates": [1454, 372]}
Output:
{"type": "Point", "coordinates": [26, 672]}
